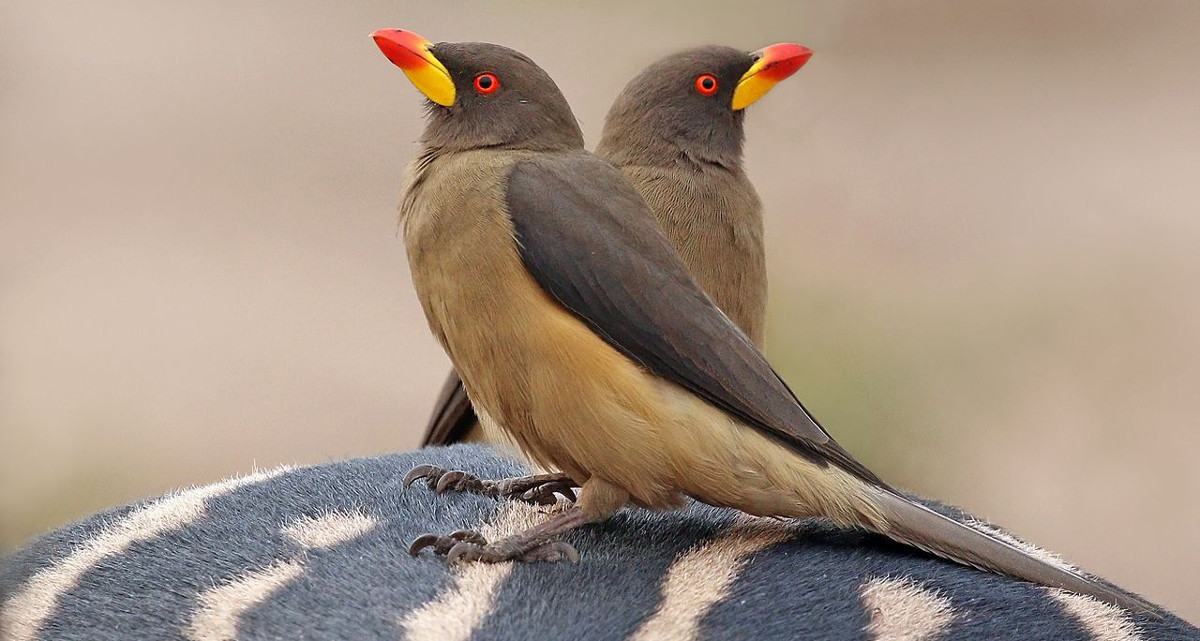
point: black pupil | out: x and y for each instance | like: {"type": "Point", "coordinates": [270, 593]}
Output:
{"type": "Point", "coordinates": [708, 83]}
{"type": "Point", "coordinates": [485, 82]}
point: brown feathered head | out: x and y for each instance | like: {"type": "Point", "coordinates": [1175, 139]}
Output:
{"type": "Point", "coordinates": [482, 95]}
{"type": "Point", "coordinates": [689, 106]}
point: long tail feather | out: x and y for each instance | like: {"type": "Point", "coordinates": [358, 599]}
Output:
{"type": "Point", "coordinates": [914, 524]}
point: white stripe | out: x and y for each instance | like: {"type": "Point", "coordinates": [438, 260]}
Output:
{"type": "Point", "coordinates": [902, 610]}
{"type": "Point", "coordinates": [31, 605]}
{"type": "Point", "coordinates": [456, 613]}
{"type": "Point", "coordinates": [702, 577]}
{"type": "Point", "coordinates": [221, 608]}
{"type": "Point", "coordinates": [328, 530]}
{"type": "Point", "coordinates": [1105, 622]}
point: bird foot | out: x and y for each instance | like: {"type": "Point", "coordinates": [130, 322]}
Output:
{"type": "Point", "coordinates": [469, 545]}
{"type": "Point", "coordinates": [539, 489]}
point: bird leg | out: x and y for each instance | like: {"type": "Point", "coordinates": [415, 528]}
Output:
{"type": "Point", "coordinates": [531, 545]}
{"type": "Point", "coordinates": [538, 489]}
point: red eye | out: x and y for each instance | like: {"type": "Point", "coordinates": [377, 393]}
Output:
{"type": "Point", "coordinates": [486, 83]}
{"type": "Point", "coordinates": [706, 84]}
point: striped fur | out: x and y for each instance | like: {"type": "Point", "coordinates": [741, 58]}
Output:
{"type": "Point", "coordinates": [318, 553]}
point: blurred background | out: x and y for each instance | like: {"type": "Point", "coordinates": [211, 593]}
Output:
{"type": "Point", "coordinates": [984, 224]}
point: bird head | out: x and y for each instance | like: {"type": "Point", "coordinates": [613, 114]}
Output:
{"type": "Point", "coordinates": [482, 95]}
{"type": "Point", "coordinates": [694, 101]}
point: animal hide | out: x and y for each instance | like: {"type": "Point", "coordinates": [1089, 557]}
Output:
{"type": "Point", "coordinates": [320, 553]}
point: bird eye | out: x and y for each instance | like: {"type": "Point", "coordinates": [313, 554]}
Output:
{"type": "Point", "coordinates": [486, 83]}
{"type": "Point", "coordinates": [706, 84]}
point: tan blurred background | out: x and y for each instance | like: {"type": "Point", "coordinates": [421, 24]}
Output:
{"type": "Point", "coordinates": [984, 245]}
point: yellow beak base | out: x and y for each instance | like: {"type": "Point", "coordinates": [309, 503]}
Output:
{"type": "Point", "coordinates": [773, 64]}
{"type": "Point", "coordinates": [411, 53]}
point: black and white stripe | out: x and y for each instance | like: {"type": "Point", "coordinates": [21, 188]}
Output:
{"type": "Point", "coordinates": [319, 553]}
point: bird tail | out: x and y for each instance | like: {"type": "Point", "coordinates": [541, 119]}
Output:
{"type": "Point", "coordinates": [453, 416]}
{"type": "Point", "coordinates": [914, 524]}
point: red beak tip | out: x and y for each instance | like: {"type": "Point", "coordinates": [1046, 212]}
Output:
{"type": "Point", "coordinates": [399, 46]}
{"type": "Point", "coordinates": [791, 51]}
{"type": "Point", "coordinates": [784, 59]}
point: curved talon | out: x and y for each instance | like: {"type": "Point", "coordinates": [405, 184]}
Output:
{"type": "Point", "coordinates": [422, 542]}
{"type": "Point", "coordinates": [539, 496]}
{"type": "Point", "coordinates": [538, 489]}
{"type": "Point", "coordinates": [448, 480]}
{"type": "Point", "coordinates": [553, 551]}
{"type": "Point", "coordinates": [570, 552]}
{"type": "Point", "coordinates": [421, 471]}
{"type": "Point", "coordinates": [548, 490]}
{"type": "Point", "coordinates": [567, 492]}
{"type": "Point", "coordinates": [465, 551]}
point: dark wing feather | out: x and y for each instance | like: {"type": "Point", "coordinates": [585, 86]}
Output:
{"type": "Point", "coordinates": [590, 241]}
{"type": "Point", "coordinates": [453, 417]}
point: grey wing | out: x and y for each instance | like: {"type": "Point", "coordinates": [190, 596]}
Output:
{"type": "Point", "coordinates": [590, 241]}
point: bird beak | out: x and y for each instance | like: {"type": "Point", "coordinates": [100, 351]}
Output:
{"type": "Point", "coordinates": [410, 52]}
{"type": "Point", "coordinates": [771, 64]}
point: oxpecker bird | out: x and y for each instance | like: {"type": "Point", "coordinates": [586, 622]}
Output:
{"type": "Point", "coordinates": [579, 332]}
{"type": "Point", "coordinates": [676, 134]}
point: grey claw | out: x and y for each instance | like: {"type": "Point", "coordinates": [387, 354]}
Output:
{"type": "Point", "coordinates": [449, 479]}
{"type": "Point", "coordinates": [544, 494]}
{"type": "Point", "coordinates": [422, 542]}
{"type": "Point", "coordinates": [538, 498]}
{"type": "Point", "coordinates": [420, 471]}
{"type": "Point", "coordinates": [567, 550]}
{"type": "Point", "coordinates": [464, 551]}
{"type": "Point", "coordinates": [552, 552]}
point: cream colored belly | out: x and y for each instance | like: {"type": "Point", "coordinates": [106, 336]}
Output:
{"type": "Point", "coordinates": [567, 398]}
{"type": "Point", "coordinates": [723, 462]}
{"type": "Point", "coordinates": [593, 412]}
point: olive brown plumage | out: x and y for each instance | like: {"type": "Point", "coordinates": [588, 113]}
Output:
{"type": "Point", "coordinates": [579, 332]}
{"type": "Point", "coordinates": [676, 135]}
